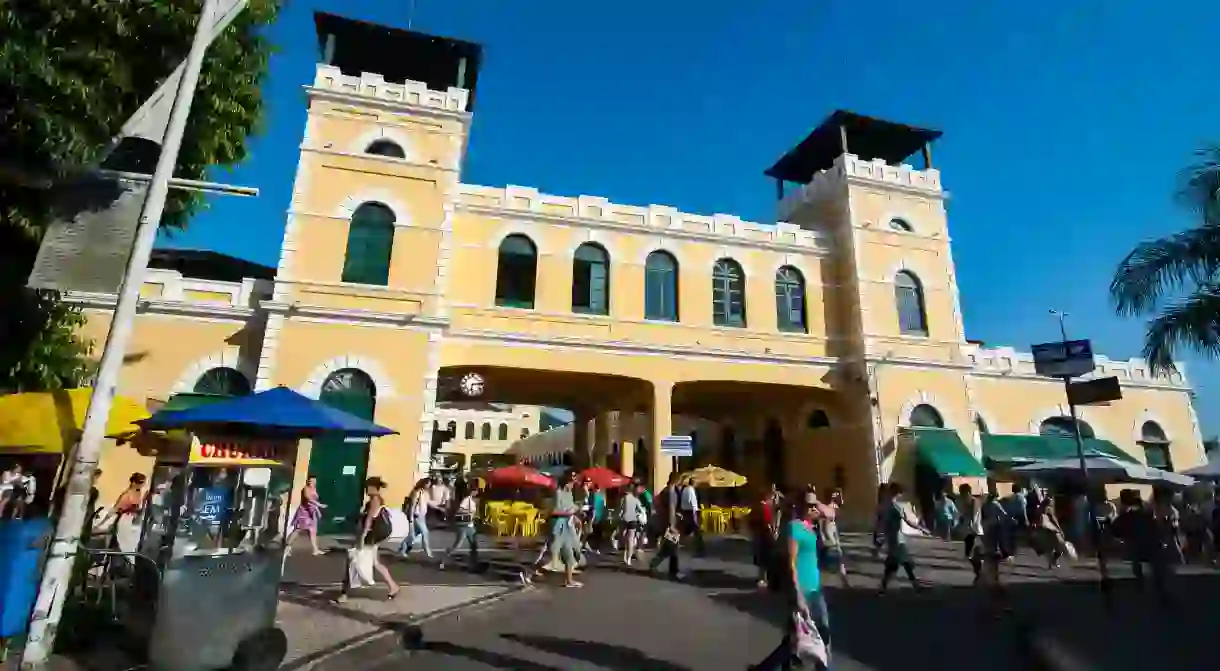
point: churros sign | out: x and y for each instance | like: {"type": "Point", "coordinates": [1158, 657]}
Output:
{"type": "Point", "coordinates": [240, 452]}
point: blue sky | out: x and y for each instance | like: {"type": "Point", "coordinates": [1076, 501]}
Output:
{"type": "Point", "coordinates": [1065, 124]}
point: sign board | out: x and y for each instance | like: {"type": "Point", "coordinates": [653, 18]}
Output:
{"type": "Point", "coordinates": [1094, 392]}
{"type": "Point", "coordinates": [213, 503]}
{"type": "Point", "coordinates": [1064, 359]}
{"type": "Point", "coordinates": [88, 247]}
{"type": "Point", "coordinates": [240, 452]}
{"type": "Point", "coordinates": [677, 446]}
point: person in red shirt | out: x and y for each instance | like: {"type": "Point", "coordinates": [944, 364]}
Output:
{"type": "Point", "coordinates": [765, 529]}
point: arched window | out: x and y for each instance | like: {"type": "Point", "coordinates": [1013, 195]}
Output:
{"type": "Point", "coordinates": [486, 432]}
{"type": "Point", "coordinates": [469, 430]}
{"type": "Point", "coordinates": [790, 300]}
{"type": "Point", "coordinates": [516, 272]}
{"type": "Point", "coordinates": [925, 416]}
{"type": "Point", "coordinates": [502, 432]}
{"type": "Point", "coordinates": [728, 294]}
{"type": "Point", "coordinates": [386, 148]}
{"type": "Point", "coordinates": [370, 243]}
{"type": "Point", "coordinates": [591, 280]}
{"type": "Point", "coordinates": [898, 224]}
{"type": "Point", "coordinates": [661, 287]}
{"type": "Point", "coordinates": [818, 419]}
{"type": "Point", "coordinates": [1062, 427]}
{"type": "Point", "coordinates": [981, 425]}
{"type": "Point", "coordinates": [908, 295]}
{"type": "Point", "coordinates": [525, 433]}
{"type": "Point", "coordinates": [1156, 446]}
{"type": "Point", "coordinates": [222, 381]}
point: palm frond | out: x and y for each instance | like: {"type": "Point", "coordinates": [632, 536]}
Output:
{"type": "Point", "coordinates": [1157, 268]}
{"type": "Point", "coordinates": [1193, 322]}
{"type": "Point", "coordinates": [1200, 185]}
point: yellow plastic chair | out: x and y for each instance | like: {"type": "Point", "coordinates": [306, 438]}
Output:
{"type": "Point", "coordinates": [525, 522]}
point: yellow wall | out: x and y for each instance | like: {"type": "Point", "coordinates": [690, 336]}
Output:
{"type": "Point", "coordinates": [437, 315]}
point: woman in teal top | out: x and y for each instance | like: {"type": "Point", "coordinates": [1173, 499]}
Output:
{"type": "Point", "coordinates": [806, 580]}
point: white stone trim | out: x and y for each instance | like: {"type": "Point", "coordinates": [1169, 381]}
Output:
{"type": "Point", "coordinates": [347, 208]}
{"type": "Point", "coordinates": [793, 260]}
{"type": "Point", "coordinates": [883, 224]}
{"type": "Point", "coordinates": [381, 380]}
{"type": "Point", "coordinates": [383, 132]}
{"type": "Point", "coordinates": [229, 357]}
{"type": "Point", "coordinates": [534, 232]}
{"type": "Point", "coordinates": [659, 244]}
{"type": "Point", "coordinates": [597, 237]}
{"type": "Point", "coordinates": [428, 415]}
{"type": "Point", "coordinates": [993, 426]}
{"type": "Point", "coordinates": [267, 356]}
{"type": "Point", "coordinates": [923, 398]}
{"type": "Point", "coordinates": [903, 265]}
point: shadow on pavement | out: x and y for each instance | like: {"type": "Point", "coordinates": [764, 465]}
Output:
{"type": "Point", "coordinates": [493, 659]}
{"type": "Point", "coordinates": [602, 654]}
{"type": "Point", "coordinates": [905, 629]}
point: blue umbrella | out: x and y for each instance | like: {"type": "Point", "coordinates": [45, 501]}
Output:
{"type": "Point", "coordinates": [280, 411]}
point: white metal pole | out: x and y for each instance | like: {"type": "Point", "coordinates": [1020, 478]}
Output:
{"type": "Point", "coordinates": [58, 572]}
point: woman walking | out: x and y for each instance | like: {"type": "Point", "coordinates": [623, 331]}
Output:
{"type": "Point", "coordinates": [418, 504]}
{"type": "Point", "coordinates": [764, 523]}
{"type": "Point", "coordinates": [631, 519]}
{"type": "Point", "coordinates": [894, 514]}
{"type": "Point", "coordinates": [374, 528]}
{"type": "Point", "coordinates": [832, 558]}
{"type": "Point", "coordinates": [563, 541]}
{"type": "Point", "coordinates": [309, 513]}
{"type": "Point", "coordinates": [970, 527]}
{"type": "Point", "coordinates": [805, 583]}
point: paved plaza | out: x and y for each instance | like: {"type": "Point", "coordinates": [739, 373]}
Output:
{"type": "Point", "coordinates": [717, 619]}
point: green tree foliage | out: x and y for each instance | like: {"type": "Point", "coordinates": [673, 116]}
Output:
{"type": "Point", "coordinates": [1175, 280]}
{"type": "Point", "coordinates": [71, 73]}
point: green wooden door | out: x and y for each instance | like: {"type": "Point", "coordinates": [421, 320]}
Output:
{"type": "Point", "coordinates": [340, 464]}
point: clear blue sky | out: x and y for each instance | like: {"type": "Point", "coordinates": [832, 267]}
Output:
{"type": "Point", "coordinates": [1065, 123]}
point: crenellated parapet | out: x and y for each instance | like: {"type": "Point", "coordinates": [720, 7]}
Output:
{"type": "Point", "coordinates": [1009, 361]}
{"type": "Point", "coordinates": [848, 168]}
{"type": "Point", "coordinates": [373, 86]}
{"type": "Point", "coordinates": [649, 219]}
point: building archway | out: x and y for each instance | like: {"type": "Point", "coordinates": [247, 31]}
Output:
{"type": "Point", "coordinates": [340, 464]}
{"type": "Point", "coordinates": [222, 381]}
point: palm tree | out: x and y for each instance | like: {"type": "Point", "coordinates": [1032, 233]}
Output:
{"type": "Point", "coordinates": [1175, 280]}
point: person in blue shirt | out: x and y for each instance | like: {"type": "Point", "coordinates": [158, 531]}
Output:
{"type": "Point", "coordinates": [806, 581]}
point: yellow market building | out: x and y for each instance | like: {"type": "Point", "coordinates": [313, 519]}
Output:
{"type": "Point", "coordinates": [810, 344]}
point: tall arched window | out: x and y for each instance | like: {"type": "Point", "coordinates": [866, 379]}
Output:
{"type": "Point", "coordinates": [516, 272]}
{"type": "Point", "coordinates": [386, 148]}
{"type": "Point", "coordinates": [925, 416]}
{"type": "Point", "coordinates": [661, 287]}
{"type": "Point", "coordinates": [591, 280]}
{"type": "Point", "coordinates": [1062, 427]}
{"type": "Point", "coordinates": [908, 295]}
{"type": "Point", "coordinates": [728, 294]}
{"type": "Point", "coordinates": [502, 432]}
{"type": "Point", "coordinates": [370, 244]}
{"type": "Point", "coordinates": [222, 381]}
{"type": "Point", "coordinates": [790, 300]}
{"type": "Point", "coordinates": [469, 431]}
{"type": "Point", "coordinates": [1156, 446]}
{"type": "Point", "coordinates": [486, 432]}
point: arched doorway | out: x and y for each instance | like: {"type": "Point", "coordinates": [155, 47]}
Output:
{"type": "Point", "coordinates": [1062, 428]}
{"type": "Point", "coordinates": [927, 480]}
{"type": "Point", "coordinates": [222, 381]}
{"type": "Point", "coordinates": [340, 464]}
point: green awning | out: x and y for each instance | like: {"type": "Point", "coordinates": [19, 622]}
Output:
{"type": "Point", "coordinates": [1003, 451]}
{"type": "Point", "coordinates": [944, 451]}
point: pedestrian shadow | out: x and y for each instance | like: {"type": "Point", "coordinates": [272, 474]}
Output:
{"type": "Point", "coordinates": [602, 654]}
{"type": "Point", "coordinates": [495, 660]}
{"type": "Point", "coordinates": [1017, 630]}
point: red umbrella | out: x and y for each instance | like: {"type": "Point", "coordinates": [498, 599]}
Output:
{"type": "Point", "coordinates": [604, 478]}
{"type": "Point", "coordinates": [519, 475]}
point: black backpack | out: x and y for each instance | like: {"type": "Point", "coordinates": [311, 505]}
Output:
{"type": "Point", "coordinates": [381, 528]}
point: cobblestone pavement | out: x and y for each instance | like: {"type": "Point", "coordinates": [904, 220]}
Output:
{"type": "Point", "coordinates": [716, 620]}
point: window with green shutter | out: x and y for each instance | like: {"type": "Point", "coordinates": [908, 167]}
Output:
{"type": "Point", "coordinates": [516, 272]}
{"type": "Point", "coordinates": [370, 244]}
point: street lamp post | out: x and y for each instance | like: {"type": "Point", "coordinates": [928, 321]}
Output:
{"type": "Point", "coordinates": [1095, 529]}
{"type": "Point", "coordinates": [57, 574]}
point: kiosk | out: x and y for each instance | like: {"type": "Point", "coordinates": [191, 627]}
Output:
{"type": "Point", "coordinates": [214, 531]}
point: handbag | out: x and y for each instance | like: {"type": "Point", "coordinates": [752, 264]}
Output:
{"type": "Point", "coordinates": [360, 566]}
{"type": "Point", "coordinates": [381, 528]}
{"type": "Point", "coordinates": [807, 643]}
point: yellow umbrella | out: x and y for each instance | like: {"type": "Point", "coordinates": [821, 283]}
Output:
{"type": "Point", "coordinates": [714, 476]}
{"type": "Point", "coordinates": [50, 422]}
